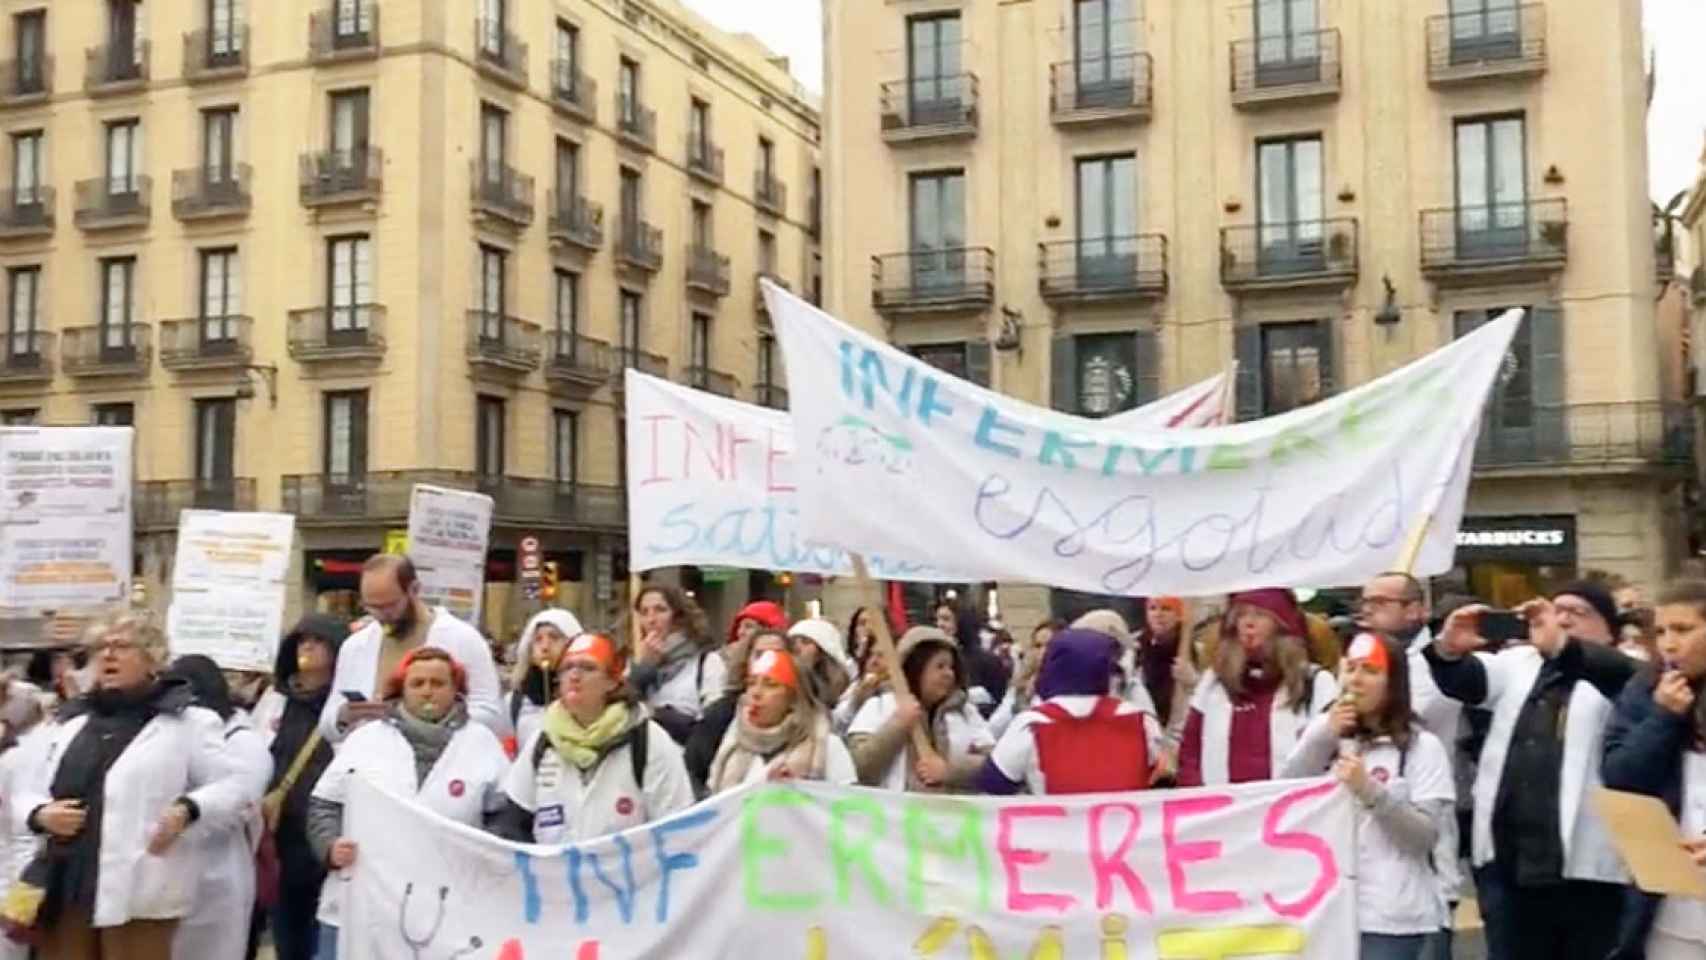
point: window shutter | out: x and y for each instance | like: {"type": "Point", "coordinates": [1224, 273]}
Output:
{"type": "Point", "coordinates": [1247, 348]}
{"type": "Point", "coordinates": [1063, 373]}
{"type": "Point", "coordinates": [1546, 332]}
{"type": "Point", "coordinates": [979, 361]}
{"type": "Point", "coordinates": [1148, 385]}
{"type": "Point", "coordinates": [1329, 366]}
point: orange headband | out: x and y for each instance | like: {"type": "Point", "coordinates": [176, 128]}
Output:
{"type": "Point", "coordinates": [394, 686]}
{"type": "Point", "coordinates": [595, 647]}
{"type": "Point", "coordinates": [777, 666]}
{"type": "Point", "coordinates": [1172, 603]}
{"type": "Point", "coordinates": [1371, 648]}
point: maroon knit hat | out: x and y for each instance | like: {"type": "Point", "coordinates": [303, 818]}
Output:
{"type": "Point", "coordinates": [1280, 603]}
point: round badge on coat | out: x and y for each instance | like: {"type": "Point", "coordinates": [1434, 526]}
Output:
{"type": "Point", "coordinates": [1379, 774]}
{"type": "Point", "coordinates": [457, 787]}
{"type": "Point", "coordinates": [625, 806]}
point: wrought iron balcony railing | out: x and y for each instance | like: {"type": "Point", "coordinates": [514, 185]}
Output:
{"type": "Point", "coordinates": [216, 54]}
{"type": "Point", "coordinates": [577, 221]}
{"type": "Point", "coordinates": [500, 53]}
{"type": "Point", "coordinates": [347, 31]}
{"type": "Point", "coordinates": [1496, 239]}
{"type": "Point", "coordinates": [26, 356]}
{"type": "Point", "coordinates": [112, 202]}
{"type": "Point", "coordinates": [573, 92]}
{"type": "Point", "coordinates": [1649, 433]}
{"type": "Point", "coordinates": [339, 333]}
{"type": "Point", "coordinates": [640, 245]}
{"type": "Point", "coordinates": [203, 192]}
{"type": "Point", "coordinates": [1103, 268]}
{"type": "Point", "coordinates": [958, 278]}
{"type": "Point", "coordinates": [930, 107]}
{"type": "Point", "coordinates": [1286, 67]}
{"type": "Point", "coordinates": [159, 502]}
{"type": "Point", "coordinates": [107, 350]}
{"type": "Point", "coordinates": [1116, 87]}
{"type": "Point", "coordinates": [342, 176]}
{"type": "Point", "coordinates": [115, 68]}
{"type": "Point", "coordinates": [1497, 41]}
{"type": "Point", "coordinates": [502, 191]}
{"type": "Point", "coordinates": [26, 212]}
{"type": "Point", "coordinates": [1284, 255]}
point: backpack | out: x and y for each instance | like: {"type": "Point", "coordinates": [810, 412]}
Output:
{"type": "Point", "coordinates": [638, 743]}
{"type": "Point", "coordinates": [1081, 754]}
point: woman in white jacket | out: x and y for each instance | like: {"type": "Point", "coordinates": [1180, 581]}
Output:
{"type": "Point", "coordinates": [780, 731]}
{"type": "Point", "coordinates": [130, 768]}
{"type": "Point", "coordinates": [425, 750]}
{"type": "Point", "coordinates": [598, 764]}
{"type": "Point", "coordinates": [881, 735]}
{"type": "Point", "coordinates": [533, 683]}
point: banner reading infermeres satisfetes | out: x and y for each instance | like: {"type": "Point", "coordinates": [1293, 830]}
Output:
{"type": "Point", "coordinates": [826, 873]}
{"type": "Point", "coordinates": [65, 516]}
{"type": "Point", "coordinates": [711, 481]}
{"type": "Point", "coordinates": [896, 457]}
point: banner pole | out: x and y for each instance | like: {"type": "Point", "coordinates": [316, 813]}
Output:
{"type": "Point", "coordinates": [634, 584]}
{"type": "Point", "coordinates": [1413, 544]}
{"type": "Point", "coordinates": [890, 655]}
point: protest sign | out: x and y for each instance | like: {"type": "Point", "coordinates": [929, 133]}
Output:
{"type": "Point", "coordinates": [228, 583]}
{"type": "Point", "coordinates": [65, 516]}
{"type": "Point", "coordinates": [898, 458]}
{"type": "Point", "coordinates": [448, 534]}
{"type": "Point", "coordinates": [828, 873]}
{"type": "Point", "coordinates": [711, 481]}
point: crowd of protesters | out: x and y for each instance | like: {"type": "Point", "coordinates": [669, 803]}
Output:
{"type": "Point", "coordinates": [156, 808]}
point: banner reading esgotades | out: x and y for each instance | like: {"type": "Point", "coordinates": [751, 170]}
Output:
{"type": "Point", "coordinates": [827, 873]}
{"type": "Point", "coordinates": [899, 457]}
{"type": "Point", "coordinates": [711, 482]}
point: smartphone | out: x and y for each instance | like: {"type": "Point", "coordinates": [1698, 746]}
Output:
{"type": "Point", "coordinates": [1499, 627]}
{"type": "Point", "coordinates": [354, 696]}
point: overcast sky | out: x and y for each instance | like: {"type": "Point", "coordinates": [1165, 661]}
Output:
{"type": "Point", "coordinates": [1676, 29]}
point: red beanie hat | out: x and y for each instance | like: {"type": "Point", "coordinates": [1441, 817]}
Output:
{"type": "Point", "coordinates": [767, 614]}
{"type": "Point", "coordinates": [1279, 603]}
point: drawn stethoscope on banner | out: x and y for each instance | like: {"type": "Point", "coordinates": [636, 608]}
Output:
{"type": "Point", "coordinates": [418, 944]}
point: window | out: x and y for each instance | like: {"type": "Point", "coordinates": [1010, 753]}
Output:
{"type": "Point", "coordinates": [628, 92]}
{"type": "Point", "coordinates": [124, 157]}
{"type": "Point", "coordinates": [219, 145]}
{"type": "Point", "coordinates": [568, 172]}
{"type": "Point", "coordinates": [702, 228]}
{"type": "Point", "coordinates": [933, 80]}
{"type": "Point", "coordinates": [1512, 403]}
{"type": "Point", "coordinates": [1294, 365]}
{"type": "Point", "coordinates": [23, 316]}
{"type": "Point", "coordinates": [349, 116]}
{"type": "Point", "coordinates": [489, 437]}
{"type": "Point", "coordinates": [345, 446]}
{"type": "Point", "coordinates": [699, 133]}
{"type": "Point", "coordinates": [27, 168]}
{"type": "Point", "coordinates": [766, 252]}
{"type": "Point", "coordinates": [349, 285]}
{"type": "Point", "coordinates": [1103, 43]}
{"type": "Point", "coordinates": [631, 203]}
{"type": "Point", "coordinates": [492, 270]}
{"type": "Point", "coordinates": [766, 160]}
{"type": "Point", "coordinates": [966, 360]}
{"type": "Point", "coordinates": [1107, 218]}
{"type": "Point", "coordinates": [766, 360]}
{"type": "Point", "coordinates": [352, 21]}
{"type": "Point", "coordinates": [565, 450]}
{"type": "Point", "coordinates": [1525, 420]}
{"type": "Point", "coordinates": [29, 34]}
{"type": "Point", "coordinates": [494, 126]}
{"type": "Point", "coordinates": [114, 414]}
{"type": "Point", "coordinates": [699, 350]}
{"type": "Point", "coordinates": [1492, 187]}
{"type": "Point", "coordinates": [124, 41]}
{"type": "Point", "coordinates": [1289, 210]}
{"type": "Point", "coordinates": [567, 65]}
{"type": "Point", "coordinates": [118, 304]}
{"type": "Point", "coordinates": [215, 445]}
{"type": "Point", "coordinates": [816, 224]}
{"type": "Point", "coordinates": [492, 28]}
{"type": "Point", "coordinates": [936, 210]}
{"type": "Point", "coordinates": [222, 33]}
{"type": "Point", "coordinates": [20, 417]}
{"type": "Point", "coordinates": [221, 295]}
{"type": "Point", "coordinates": [568, 300]}
{"type": "Point", "coordinates": [1288, 48]}
{"type": "Point", "coordinates": [630, 329]}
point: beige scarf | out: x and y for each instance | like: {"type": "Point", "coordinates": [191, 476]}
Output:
{"type": "Point", "coordinates": [938, 731]}
{"type": "Point", "coordinates": [801, 740]}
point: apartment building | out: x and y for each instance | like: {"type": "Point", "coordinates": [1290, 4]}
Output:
{"type": "Point", "coordinates": [320, 252]}
{"type": "Point", "coordinates": [1089, 202]}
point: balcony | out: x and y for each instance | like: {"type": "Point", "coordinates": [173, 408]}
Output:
{"type": "Point", "coordinates": [1607, 436]}
{"type": "Point", "coordinates": [579, 365]}
{"type": "Point", "coordinates": [23, 82]}
{"type": "Point", "coordinates": [501, 192]}
{"type": "Point", "coordinates": [922, 109]}
{"type": "Point", "coordinates": [769, 194]}
{"type": "Point", "coordinates": [113, 70]}
{"type": "Point", "coordinates": [340, 335]}
{"type": "Point", "coordinates": [649, 363]}
{"type": "Point", "coordinates": [640, 245]}
{"type": "Point", "coordinates": [1495, 244]}
{"type": "Point", "coordinates": [1103, 270]}
{"type": "Point", "coordinates": [636, 124]}
{"type": "Point", "coordinates": [1289, 256]}
{"type": "Point", "coordinates": [120, 350]}
{"type": "Point", "coordinates": [704, 161]}
{"type": "Point", "coordinates": [106, 203]}
{"type": "Point", "coordinates": [159, 502]}
{"type": "Point", "coordinates": [573, 92]}
{"type": "Point", "coordinates": [26, 213]}
{"type": "Point", "coordinates": [702, 377]}
{"type": "Point", "coordinates": [500, 54]}
{"type": "Point", "coordinates": [927, 281]}
{"type": "Point", "coordinates": [206, 193]}
{"type": "Point", "coordinates": [772, 395]}
{"type": "Point", "coordinates": [333, 177]}
{"type": "Point", "coordinates": [1285, 69]}
{"type": "Point", "coordinates": [576, 221]}
{"type": "Point", "coordinates": [207, 343]}
{"type": "Point", "coordinates": [1114, 89]}
{"type": "Point", "coordinates": [1498, 43]}
{"type": "Point", "coordinates": [329, 499]}
{"type": "Point", "coordinates": [344, 32]}
{"type": "Point", "coordinates": [502, 345]}
{"type": "Point", "coordinates": [707, 271]}
{"type": "Point", "coordinates": [216, 55]}
{"type": "Point", "coordinates": [26, 357]}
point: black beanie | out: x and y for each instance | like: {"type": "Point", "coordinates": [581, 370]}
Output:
{"type": "Point", "coordinates": [1597, 597]}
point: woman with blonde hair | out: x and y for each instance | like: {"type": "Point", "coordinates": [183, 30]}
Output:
{"type": "Point", "coordinates": [780, 731]}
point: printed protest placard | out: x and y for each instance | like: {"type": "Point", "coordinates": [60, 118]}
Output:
{"type": "Point", "coordinates": [65, 516]}
{"type": "Point", "coordinates": [449, 531]}
{"type": "Point", "coordinates": [830, 873]}
{"type": "Point", "coordinates": [228, 583]}
{"type": "Point", "coordinates": [712, 481]}
{"type": "Point", "coordinates": [899, 459]}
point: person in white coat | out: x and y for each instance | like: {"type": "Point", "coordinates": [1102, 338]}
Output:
{"type": "Point", "coordinates": [599, 764]}
{"type": "Point", "coordinates": [958, 739]}
{"type": "Point", "coordinates": [1550, 881]}
{"type": "Point", "coordinates": [401, 622]}
{"type": "Point", "coordinates": [22, 749]}
{"type": "Point", "coordinates": [218, 924]}
{"type": "Point", "coordinates": [426, 749]}
{"type": "Point", "coordinates": [533, 684]}
{"type": "Point", "coordinates": [130, 768]}
{"type": "Point", "coordinates": [780, 731]}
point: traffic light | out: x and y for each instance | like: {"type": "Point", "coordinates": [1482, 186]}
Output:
{"type": "Point", "coordinates": [548, 582]}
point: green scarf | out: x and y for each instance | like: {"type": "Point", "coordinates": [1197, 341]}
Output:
{"type": "Point", "coordinates": [583, 746]}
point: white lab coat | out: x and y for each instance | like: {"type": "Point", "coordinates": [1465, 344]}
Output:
{"type": "Point", "coordinates": [1441, 716]}
{"type": "Point", "coordinates": [218, 923]}
{"type": "Point", "coordinates": [569, 806]}
{"type": "Point", "coordinates": [20, 845]}
{"type": "Point", "coordinates": [358, 662]}
{"type": "Point", "coordinates": [1286, 723]}
{"type": "Point", "coordinates": [174, 755]}
{"type": "Point", "coordinates": [462, 786]}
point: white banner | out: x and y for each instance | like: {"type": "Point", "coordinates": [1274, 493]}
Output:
{"type": "Point", "coordinates": [449, 531]}
{"type": "Point", "coordinates": [829, 873]}
{"type": "Point", "coordinates": [228, 583]}
{"type": "Point", "coordinates": [901, 459]}
{"type": "Point", "coordinates": [711, 481]}
{"type": "Point", "coordinates": [65, 517]}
